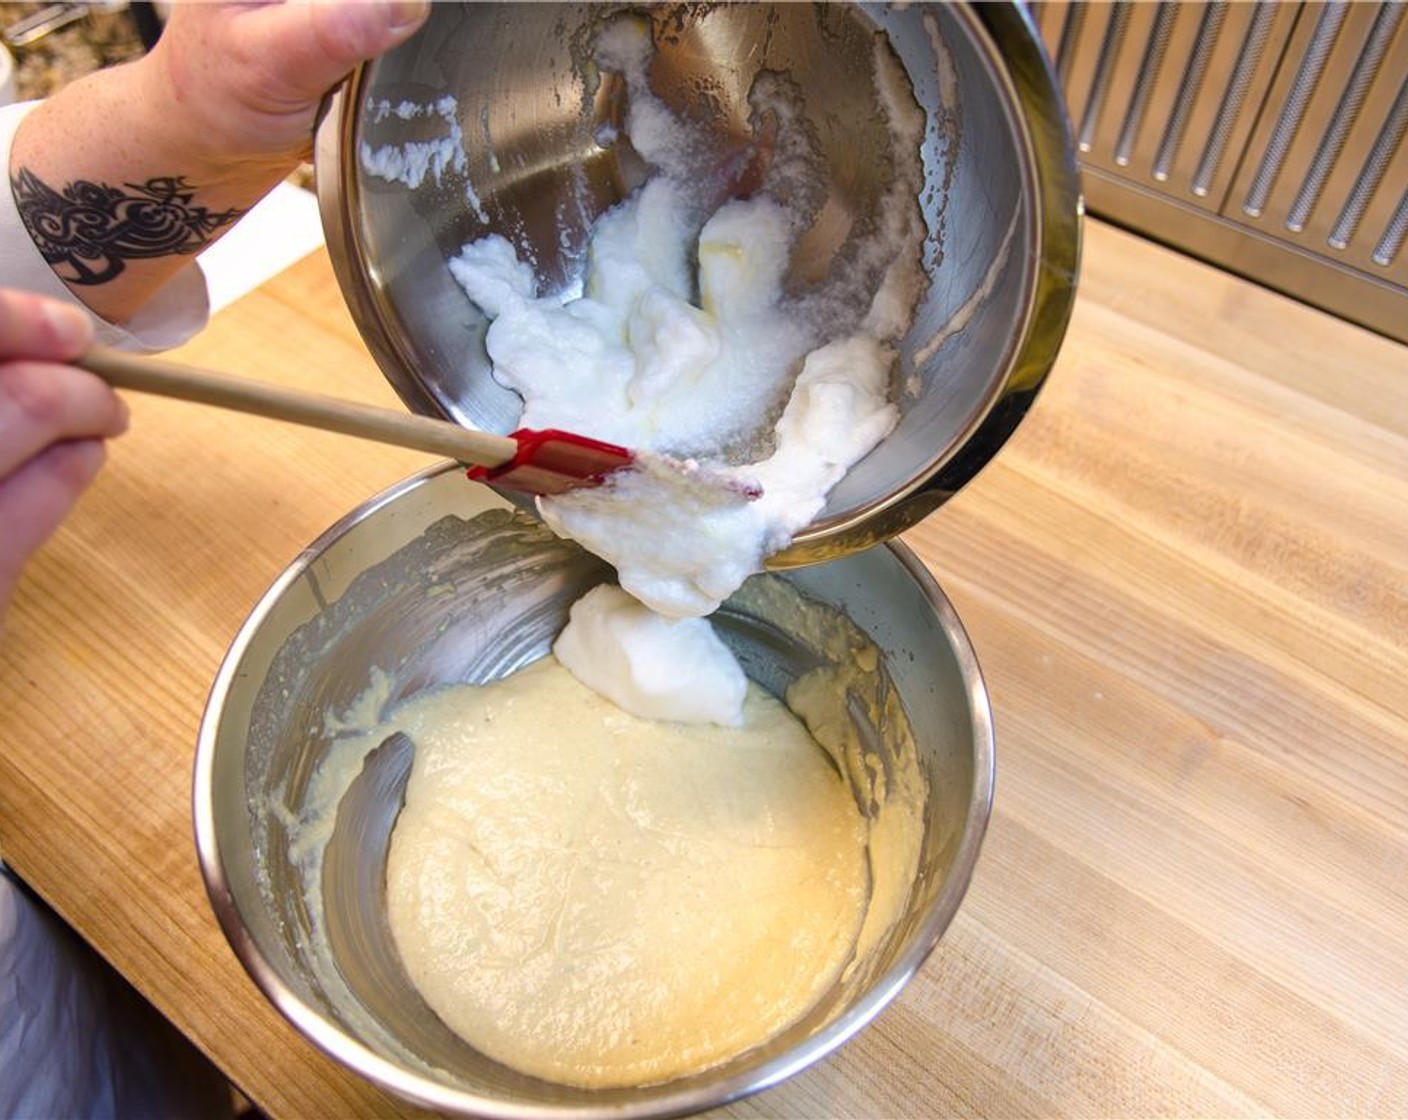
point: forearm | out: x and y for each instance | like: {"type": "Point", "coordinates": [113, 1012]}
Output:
{"type": "Point", "coordinates": [117, 193]}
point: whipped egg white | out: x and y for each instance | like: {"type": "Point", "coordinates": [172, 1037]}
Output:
{"type": "Point", "coordinates": [686, 341]}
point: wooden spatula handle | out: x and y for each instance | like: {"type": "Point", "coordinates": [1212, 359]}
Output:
{"type": "Point", "coordinates": [404, 429]}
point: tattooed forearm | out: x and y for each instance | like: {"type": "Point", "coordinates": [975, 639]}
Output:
{"type": "Point", "coordinates": [89, 231]}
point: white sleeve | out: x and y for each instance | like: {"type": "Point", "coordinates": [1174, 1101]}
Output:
{"type": "Point", "coordinates": [177, 311]}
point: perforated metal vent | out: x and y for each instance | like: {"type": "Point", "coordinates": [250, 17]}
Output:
{"type": "Point", "coordinates": [1267, 137]}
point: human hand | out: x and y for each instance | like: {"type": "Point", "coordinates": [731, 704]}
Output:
{"type": "Point", "coordinates": [53, 420]}
{"type": "Point", "coordinates": [124, 175]}
{"type": "Point", "coordinates": [249, 76]}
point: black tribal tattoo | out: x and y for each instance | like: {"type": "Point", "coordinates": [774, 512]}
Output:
{"type": "Point", "coordinates": [90, 231]}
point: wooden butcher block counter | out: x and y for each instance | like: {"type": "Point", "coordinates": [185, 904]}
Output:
{"type": "Point", "coordinates": [1186, 579]}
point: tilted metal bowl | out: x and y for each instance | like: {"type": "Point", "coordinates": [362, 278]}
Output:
{"type": "Point", "coordinates": [532, 120]}
{"type": "Point", "coordinates": [440, 580]}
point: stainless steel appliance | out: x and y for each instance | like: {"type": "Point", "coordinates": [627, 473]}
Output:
{"type": "Point", "coordinates": [1265, 137]}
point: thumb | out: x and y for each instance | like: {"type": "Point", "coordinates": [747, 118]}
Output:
{"type": "Point", "coordinates": [353, 32]}
{"type": "Point", "coordinates": [312, 45]}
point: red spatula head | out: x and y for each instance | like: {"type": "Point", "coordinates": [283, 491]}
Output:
{"type": "Point", "coordinates": [551, 462]}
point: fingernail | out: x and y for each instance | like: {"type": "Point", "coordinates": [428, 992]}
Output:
{"type": "Point", "coordinates": [72, 327]}
{"type": "Point", "coordinates": [408, 13]}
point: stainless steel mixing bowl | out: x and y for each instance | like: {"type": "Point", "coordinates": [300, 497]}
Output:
{"type": "Point", "coordinates": [440, 580]}
{"type": "Point", "coordinates": [533, 119]}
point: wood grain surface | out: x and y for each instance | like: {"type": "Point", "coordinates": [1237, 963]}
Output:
{"type": "Point", "coordinates": [1186, 579]}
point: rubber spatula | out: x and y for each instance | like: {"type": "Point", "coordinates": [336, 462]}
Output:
{"type": "Point", "coordinates": [534, 462]}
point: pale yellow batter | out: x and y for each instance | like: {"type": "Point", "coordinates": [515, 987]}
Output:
{"type": "Point", "coordinates": [603, 900]}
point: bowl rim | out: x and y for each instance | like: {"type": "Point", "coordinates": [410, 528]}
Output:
{"type": "Point", "coordinates": [1020, 67]}
{"type": "Point", "coordinates": [338, 1044]}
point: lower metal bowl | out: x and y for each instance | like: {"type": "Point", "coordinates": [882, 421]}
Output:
{"type": "Point", "coordinates": [439, 580]}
